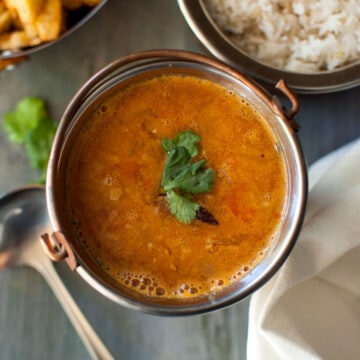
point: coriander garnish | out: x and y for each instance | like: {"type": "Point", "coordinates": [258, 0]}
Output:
{"type": "Point", "coordinates": [30, 125]}
{"type": "Point", "coordinates": [182, 178]}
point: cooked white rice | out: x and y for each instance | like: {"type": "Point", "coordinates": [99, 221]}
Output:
{"type": "Point", "coordinates": [301, 36]}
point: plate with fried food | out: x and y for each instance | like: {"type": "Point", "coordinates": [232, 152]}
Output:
{"type": "Point", "coordinates": [29, 25]}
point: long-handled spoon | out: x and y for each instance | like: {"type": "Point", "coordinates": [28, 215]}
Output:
{"type": "Point", "coordinates": [23, 218]}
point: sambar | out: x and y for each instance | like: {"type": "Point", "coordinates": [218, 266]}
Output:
{"type": "Point", "coordinates": [113, 186]}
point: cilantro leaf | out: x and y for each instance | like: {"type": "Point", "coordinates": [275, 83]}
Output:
{"type": "Point", "coordinates": [31, 126]}
{"type": "Point", "coordinates": [167, 145]}
{"type": "Point", "coordinates": [38, 145]}
{"type": "Point", "coordinates": [178, 158]}
{"type": "Point", "coordinates": [193, 179]}
{"type": "Point", "coordinates": [183, 208]}
{"type": "Point", "coordinates": [26, 117]}
{"type": "Point", "coordinates": [182, 178]}
{"type": "Point", "coordinates": [186, 139]}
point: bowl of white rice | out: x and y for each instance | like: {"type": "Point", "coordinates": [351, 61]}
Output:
{"type": "Point", "coordinates": [314, 45]}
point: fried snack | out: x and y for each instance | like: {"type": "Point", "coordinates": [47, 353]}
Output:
{"type": "Point", "coordinates": [49, 21]}
{"type": "Point", "coordinates": [72, 4]}
{"type": "Point", "coordinates": [27, 10]}
{"type": "Point", "coordinates": [75, 4]}
{"type": "Point", "coordinates": [25, 23]}
{"type": "Point", "coordinates": [17, 40]}
{"type": "Point", "coordinates": [5, 19]}
{"type": "Point", "coordinates": [91, 2]}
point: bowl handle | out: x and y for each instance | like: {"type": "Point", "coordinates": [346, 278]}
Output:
{"type": "Point", "coordinates": [294, 101]}
{"type": "Point", "coordinates": [57, 248]}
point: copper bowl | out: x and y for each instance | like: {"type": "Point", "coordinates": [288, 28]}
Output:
{"type": "Point", "coordinates": [62, 244]}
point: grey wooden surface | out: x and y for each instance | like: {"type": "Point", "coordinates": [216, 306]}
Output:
{"type": "Point", "coordinates": [32, 323]}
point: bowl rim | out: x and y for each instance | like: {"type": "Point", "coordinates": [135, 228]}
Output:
{"type": "Point", "coordinates": [214, 40]}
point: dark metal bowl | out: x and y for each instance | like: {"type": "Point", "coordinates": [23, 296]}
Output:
{"type": "Point", "coordinates": [76, 19]}
{"type": "Point", "coordinates": [219, 45]}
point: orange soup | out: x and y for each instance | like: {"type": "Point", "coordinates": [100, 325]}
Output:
{"type": "Point", "coordinates": [116, 203]}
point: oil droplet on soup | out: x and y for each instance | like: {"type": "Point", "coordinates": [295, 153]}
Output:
{"type": "Point", "coordinates": [113, 182]}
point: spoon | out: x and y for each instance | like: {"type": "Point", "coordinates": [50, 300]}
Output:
{"type": "Point", "coordinates": [23, 218]}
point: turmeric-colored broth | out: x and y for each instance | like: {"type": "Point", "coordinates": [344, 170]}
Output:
{"type": "Point", "coordinates": [113, 186]}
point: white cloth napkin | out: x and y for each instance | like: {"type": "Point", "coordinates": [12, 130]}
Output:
{"type": "Point", "coordinates": [311, 308]}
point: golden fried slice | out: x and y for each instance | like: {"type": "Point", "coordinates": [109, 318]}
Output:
{"type": "Point", "coordinates": [49, 21]}
{"type": "Point", "coordinates": [9, 3]}
{"type": "Point", "coordinates": [31, 31]}
{"type": "Point", "coordinates": [75, 4]}
{"type": "Point", "coordinates": [25, 23]}
{"type": "Point", "coordinates": [28, 10]}
{"type": "Point", "coordinates": [15, 20]}
{"type": "Point", "coordinates": [16, 40]}
{"type": "Point", "coordinates": [91, 2]}
{"type": "Point", "coordinates": [5, 21]}
{"type": "Point", "coordinates": [72, 4]}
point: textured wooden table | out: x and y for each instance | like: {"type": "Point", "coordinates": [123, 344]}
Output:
{"type": "Point", "coordinates": [32, 323]}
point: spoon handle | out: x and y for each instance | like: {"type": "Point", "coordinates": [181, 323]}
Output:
{"type": "Point", "coordinates": [94, 345]}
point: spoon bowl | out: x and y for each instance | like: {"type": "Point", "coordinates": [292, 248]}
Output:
{"type": "Point", "coordinates": [23, 218]}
